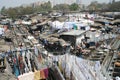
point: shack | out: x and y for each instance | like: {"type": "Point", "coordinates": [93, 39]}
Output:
{"type": "Point", "coordinates": [74, 36]}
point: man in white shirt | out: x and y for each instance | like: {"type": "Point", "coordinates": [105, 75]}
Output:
{"type": "Point", "coordinates": [1, 31]}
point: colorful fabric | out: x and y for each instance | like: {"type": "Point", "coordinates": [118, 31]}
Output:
{"type": "Point", "coordinates": [42, 75]}
{"type": "Point", "coordinates": [37, 75]}
{"type": "Point", "coordinates": [21, 64]}
{"type": "Point", "coordinates": [60, 66]}
{"type": "Point", "coordinates": [16, 69]}
{"type": "Point", "coordinates": [46, 73]}
{"type": "Point", "coordinates": [75, 27]}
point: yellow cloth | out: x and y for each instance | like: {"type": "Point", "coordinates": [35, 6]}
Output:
{"type": "Point", "coordinates": [37, 75]}
{"type": "Point", "coordinates": [60, 66]}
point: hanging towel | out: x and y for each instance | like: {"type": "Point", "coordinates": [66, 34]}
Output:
{"type": "Point", "coordinates": [28, 58]}
{"type": "Point", "coordinates": [23, 56]}
{"type": "Point", "coordinates": [21, 64]}
{"type": "Point", "coordinates": [16, 70]}
{"type": "Point", "coordinates": [37, 75]}
{"type": "Point", "coordinates": [42, 75]}
{"type": "Point", "coordinates": [46, 73]}
{"type": "Point", "coordinates": [36, 51]}
{"type": "Point", "coordinates": [60, 66]}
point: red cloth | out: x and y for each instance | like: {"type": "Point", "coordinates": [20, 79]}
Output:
{"type": "Point", "coordinates": [42, 75]}
{"type": "Point", "coordinates": [14, 60]}
{"type": "Point", "coordinates": [21, 64]}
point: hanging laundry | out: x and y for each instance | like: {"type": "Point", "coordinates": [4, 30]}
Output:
{"type": "Point", "coordinates": [16, 69]}
{"type": "Point", "coordinates": [40, 58]}
{"type": "Point", "coordinates": [42, 75]}
{"type": "Point", "coordinates": [32, 64]}
{"type": "Point", "coordinates": [21, 64]}
{"type": "Point", "coordinates": [46, 73]}
{"type": "Point", "coordinates": [36, 63]}
{"type": "Point", "coordinates": [37, 75]}
{"type": "Point", "coordinates": [21, 52]}
{"type": "Point", "coordinates": [28, 59]}
{"type": "Point", "coordinates": [26, 67]}
{"type": "Point", "coordinates": [36, 50]}
{"type": "Point", "coordinates": [60, 66]}
{"type": "Point", "coordinates": [97, 66]}
{"type": "Point", "coordinates": [2, 62]}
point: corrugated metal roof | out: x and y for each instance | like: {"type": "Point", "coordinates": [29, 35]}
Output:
{"type": "Point", "coordinates": [74, 32]}
{"type": "Point", "coordinates": [116, 44]}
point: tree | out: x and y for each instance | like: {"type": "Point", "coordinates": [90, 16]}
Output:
{"type": "Point", "coordinates": [12, 12]}
{"type": "Point", "coordinates": [74, 7]}
{"type": "Point", "coordinates": [93, 5]}
{"type": "Point", "coordinates": [114, 6]}
{"type": "Point", "coordinates": [46, 6]}
{"type": "Point", "coordinates": [61, 7]}
{"type": "Point", "coordinates": [19, 11]}
{"type": "Point", "coordinates": [113, 1]}
{"type": "Point", "coordinates": [3, 10]}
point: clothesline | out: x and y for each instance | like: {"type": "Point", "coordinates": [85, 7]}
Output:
{"type": "Point", "coordinates": [22, 60]}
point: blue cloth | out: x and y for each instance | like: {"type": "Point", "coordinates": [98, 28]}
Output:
{"type": "Point", "coordinates": [16, 69]}
{"type": "Point", "coordinates": [75, 27]}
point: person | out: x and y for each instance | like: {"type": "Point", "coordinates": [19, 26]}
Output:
{"type": "Point", "coordinates": [1, 31]}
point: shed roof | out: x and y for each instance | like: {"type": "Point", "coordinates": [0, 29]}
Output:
{"type": "Point", "coordinates": [116, 44]}
{"type": "Point", "coordinates": [74, 32]}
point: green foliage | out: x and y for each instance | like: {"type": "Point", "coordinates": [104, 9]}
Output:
{"type": "Point", "coordinates": [12, 12]}
{"type": "Point", "coordinates": [66, 7]}
{"type": "Point", "coordinates": [95, 6]}
{"type": "Point", "coordinates": [19, 11]}
{"type": "Point", "coordinates": [115, 6]}
{"type": "Point", "coordinates": [74, 7]}
{"type": "Point", "coordinates": [61, 7]}
{"type": "Point", "coordinates": [3, 10]}
{"type": "Point", "coordinates": [47, 7]}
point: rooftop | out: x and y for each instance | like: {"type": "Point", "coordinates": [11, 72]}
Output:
{"type": "Point", "coordinates": [74, 32]}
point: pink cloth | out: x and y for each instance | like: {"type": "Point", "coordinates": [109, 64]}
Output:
{"type": "Point", "coordinates": [46, 73]}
